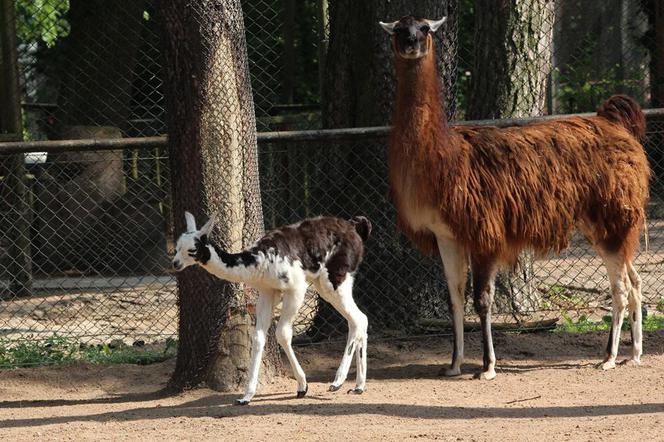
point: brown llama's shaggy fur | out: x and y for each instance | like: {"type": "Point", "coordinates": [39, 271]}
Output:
{"type": "Point", "coordinates": [503, 190]}
{"type": "Point", "coordinates": [481, 195]}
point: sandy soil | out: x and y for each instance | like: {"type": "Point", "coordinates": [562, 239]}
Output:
{"type": "Point", "coordinates": [547, 389]}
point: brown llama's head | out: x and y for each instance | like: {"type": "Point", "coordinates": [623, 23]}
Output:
{"type": "Point", "coordinates": [411, 36]}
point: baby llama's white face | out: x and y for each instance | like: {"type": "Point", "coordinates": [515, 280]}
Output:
{"type": "Point", "coordinates": [183, 248]}
{"type": "Point", "coordinates": [186, 245]}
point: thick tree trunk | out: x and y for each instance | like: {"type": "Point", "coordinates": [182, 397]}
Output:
{"type": "Point", "coordinates": [512, 58]}
{"type": "Point", "coordinates": [359, 87]}
{"type": "Point", "coordinates": [512, 62]}
{"type": "Point", "coordinates": [213, 156]}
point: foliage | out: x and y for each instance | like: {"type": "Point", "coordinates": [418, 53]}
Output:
{"type": "Point", "coordinates": [585, 325]}
{"type": "Point", "coordinates": [42, 20]}
{"type": "Point", "coordinates": [583, 85]}
{"type": "Point", "coordinates": [58, 350]}
{"type": "Point", "coordinates": [660, 305]}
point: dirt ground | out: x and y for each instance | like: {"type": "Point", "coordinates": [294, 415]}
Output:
{"type": "Point", "coordinates": [547, 389]}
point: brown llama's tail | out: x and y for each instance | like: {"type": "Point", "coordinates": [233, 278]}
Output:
{"type": "Point", "coordinates": [362, 226]}
{"type": "Point", "coordinates": [625, 111]}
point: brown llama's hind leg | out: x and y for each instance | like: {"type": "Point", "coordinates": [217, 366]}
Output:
{"type": "Point", "coordinates": [620, 287]}
{"type": "Point", "coordinates": [484, 275]}
{"type": "Point", "coordinates": [635, 315]}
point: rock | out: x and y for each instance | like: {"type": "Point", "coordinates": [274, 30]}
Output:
{"type": "Point", "coordinates": [116, 343]}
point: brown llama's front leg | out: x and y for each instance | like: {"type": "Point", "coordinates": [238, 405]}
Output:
{"type": "Point", "coordinates": [455, 265]}
{"type": "Point", "coordinates": [484, 275]}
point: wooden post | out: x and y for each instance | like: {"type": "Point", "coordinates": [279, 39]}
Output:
{"type": "Point", "coordinates": [20, 267]}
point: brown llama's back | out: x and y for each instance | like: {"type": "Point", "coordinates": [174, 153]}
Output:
{"type": "Point", "coordinates": [529, 187]}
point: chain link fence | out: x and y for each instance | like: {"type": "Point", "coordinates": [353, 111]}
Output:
{"type": "Point", "coordinates": [86, 234]}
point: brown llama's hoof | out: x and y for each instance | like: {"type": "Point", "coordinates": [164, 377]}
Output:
{"type": "Point", "coordinates": [631, 362]}
{"type": "Point", "coordinates": [607, 365]}
{"type": "Point", "coordinates": [301, 394]}
{"type": "Point", "coordinates": [450, 372]}
{"type": "Point", "coordinates": [486, 375]}
{"type": "Point", "coordinates": [355, 391]}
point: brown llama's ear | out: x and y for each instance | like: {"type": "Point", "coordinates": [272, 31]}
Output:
{"type": "Point", "coordinates": [434, 25]}
{"type": "Point", "coordinates": [389, 27]}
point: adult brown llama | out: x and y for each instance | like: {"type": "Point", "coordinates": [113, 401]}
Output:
{"type": "Point", "coordinates": [484, 194]}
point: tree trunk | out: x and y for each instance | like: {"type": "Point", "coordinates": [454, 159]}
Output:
{"type": "Point", "coordinates": [13, 193]}
{"type": "Point", "coordinates": [657, 54]}
{"type": "Point", "coordinates": [654, 41]}
{"type": "Point", "coordinates": [512, 58]}
{"type": "Point", "coordinates": [213, 157]}
{"type": "Point", "coordinates": [100, 54]}
{"type": "Point", "coordinates": [359, 87]}
{"type": "Point", "coordinates": [288, 30]}
{"type": "Point", "coordinates": [512, 62]}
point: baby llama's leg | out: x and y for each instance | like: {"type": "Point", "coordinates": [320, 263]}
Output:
{"type": "Point", "coordinates": [291, 302]}
{"type": "Point", "coordinates": [264, 310]}
{"type": "Point", "coordinates": [341, 298]}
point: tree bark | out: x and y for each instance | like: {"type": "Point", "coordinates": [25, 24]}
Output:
{"type": "Point", "coordinates": [359, 87]}
{"type": "Point", "coordinates": [657, 55]}
{"type": "Point", "coordinates": [100, 53]}
{"type": "Point", "coordinates": [14, 193]}
{"type": "Point", "coordinates": [653, 40]}
{"type": "Point", "coordinates": [213, 157]}
{"type": "Point", "coordinates": [512, 58]}
{"type": "Point", "coordinates": [512, 62]}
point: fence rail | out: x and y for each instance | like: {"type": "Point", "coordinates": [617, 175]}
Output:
{"type": "Point", "coordinates": [317, 136]}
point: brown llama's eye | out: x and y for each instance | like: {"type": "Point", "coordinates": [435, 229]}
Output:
{"type": "Point", "coordinates": [425, 29]}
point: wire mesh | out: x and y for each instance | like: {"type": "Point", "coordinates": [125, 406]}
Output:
{"type": "Point", "coordinates": [98, 224]}
{"type": "Point", "coordinates": [98, 245]}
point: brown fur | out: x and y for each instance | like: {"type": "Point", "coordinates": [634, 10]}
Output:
{"type": "Point", "coordinates": [503, 190]}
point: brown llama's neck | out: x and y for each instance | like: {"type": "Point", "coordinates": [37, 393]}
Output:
{"type": "Point", "coordinates": [420, 108]}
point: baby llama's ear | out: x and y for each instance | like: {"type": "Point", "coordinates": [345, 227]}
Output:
{"type": "Point", "coordinates": [434, 25]}
{"type": "Point", "coordinates": [191, 222]}
{"type": "Point", "coordinates": [389, 27]}
{"type": "Point", "coordinates": [207, 228]}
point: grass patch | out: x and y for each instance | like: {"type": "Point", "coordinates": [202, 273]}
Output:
{"type": "Point", "coordinates": [585, 325]}
{"type": "Point", "coordinates": [58, 350]}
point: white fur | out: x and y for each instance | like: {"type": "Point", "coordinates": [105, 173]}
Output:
{"type": "Point", "coordinates": [434, 25]}
{"type": "Point", "coordinates": [388, 27]}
